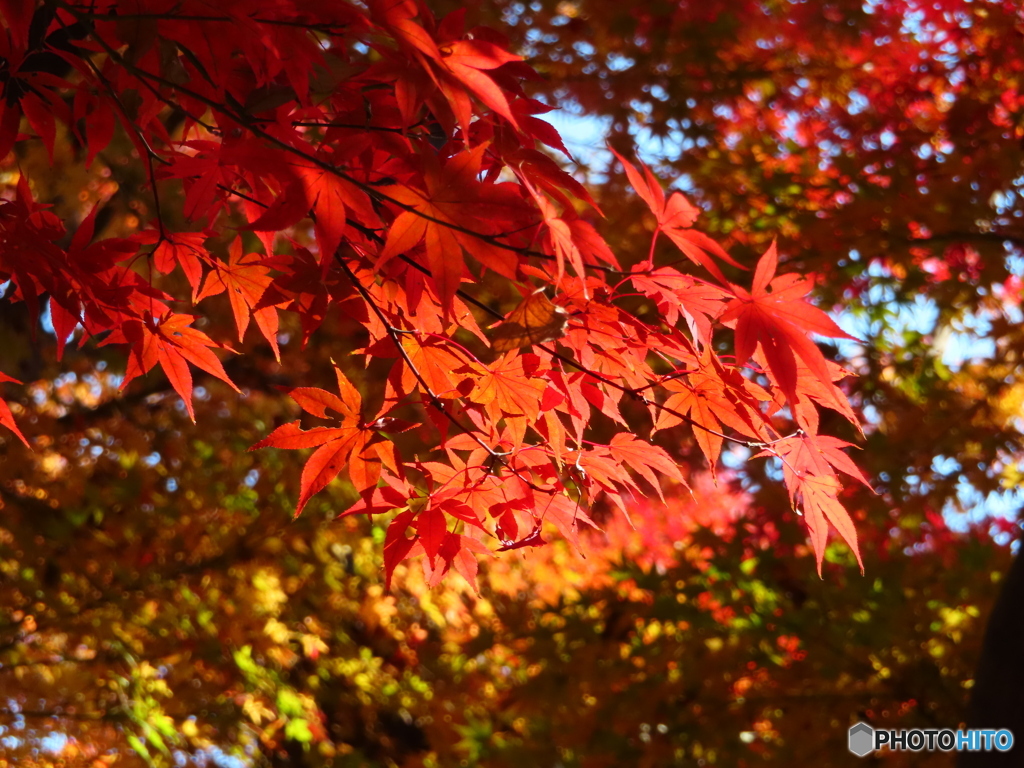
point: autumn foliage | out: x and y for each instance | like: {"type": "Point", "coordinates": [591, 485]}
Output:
{"type": "Point", "coordinates": [331, 259]}
{"type": "Point", "coordinates": [376, 163]}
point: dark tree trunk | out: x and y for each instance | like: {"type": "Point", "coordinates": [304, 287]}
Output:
{"type": "Point", "coordinates": [997, 699]}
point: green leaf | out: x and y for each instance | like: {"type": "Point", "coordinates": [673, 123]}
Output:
{"type": "Point", "coordinates": [298, 730]}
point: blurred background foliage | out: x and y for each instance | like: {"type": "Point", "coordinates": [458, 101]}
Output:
{"type": "Point", "coordinates": [161, 607]}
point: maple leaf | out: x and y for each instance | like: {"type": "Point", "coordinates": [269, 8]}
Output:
{"type": "Point", "coordinates": [566, 515]}
{"type": "Point", "coordinates": [349, 446]}
{"type": "Point", "coordinates": [541, 172]}
{"type": "Point", "coordinates": [534, 321]}
{"type": "Point", "coordinates": [431, 529]}
{"type": "Point", "coordinates": [399, 18]}
{"type": "Point", "coordinates": [597, 470]}
{"type": "Point", "coordinates": [98, 120]}
{"type": "Point", "coordinates": [465, 560]}
{"type": "Point", "coordinates": [808, 465]}
{"type": "Point", "coordinates": [506, 388]}
{"type": "Point", "coordinates": [169, 341]}
{"type": "Point", "coordinates": [809, 391]}
{"type": "Point", "coordinates": [27, 88]}
{"type": "Point", "coordinates": [821, 507]}
{"type": "Point", "coordinates": [675, 217]}
{"type": "Point", "coordinates": [245, 279]}
{"type": "Point", "coordinates": [645, 459]}
{"type": "Point", "coordinates": [80, 300]}
{"type": "Point", "coordinates": [560, 239]}
{"type": "Point", "coordinates": [307, 187]}
{"type": "Point", "coordinates": [678, 295]}
{"type": "Point", "coordinates": [203, 174]}
{"type": "Point", "coordinates": [543, 131]}
{"type": "Point", "coordinates": [186, 249]}
{"type": "Point", "coordinates": [441, 369]}
{"type": "Point", "coordinates": [712, 397]}
{"type": "Point", "coordinates": [451, 200]}
{"type": "Point", "coordinates": [463, 62]}
{"type": "Point", "coordinates": [6, 417]}
{"type": "Point", "coordinates": [474, 489]}
{"type": "Point", "coordinates": [511, 390]}
{"type": "Point", "coordinates": [396, 545]}
{"type": "Point", "coordinates": [467, 61]}
{"type": "Point", "coordinates": [817, 455]}
{"type": "Point", "coordinates": [329, 194]}
{"type": "Point", "coordinates": [301, 287]}
{"type": "Point", "coordinates": [775, 316]}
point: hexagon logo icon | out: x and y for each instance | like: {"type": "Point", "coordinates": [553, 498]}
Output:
{"type": "Point", "coordinates": [861, 739]}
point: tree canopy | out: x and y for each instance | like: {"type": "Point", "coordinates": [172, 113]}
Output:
{"type": "Point", "coordinates": [583, 430]}
{"type": "Point", "coordinates": [354, 177]}
{"type": "Point", "coordinates": [880, 143]}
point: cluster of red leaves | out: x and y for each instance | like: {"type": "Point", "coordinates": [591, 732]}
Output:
{"type": "Point", "coordinates": [411, 150]}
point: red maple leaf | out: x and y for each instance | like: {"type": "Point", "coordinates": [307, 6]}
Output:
{"type": "Point", "coordinates": [169, 341]}
{"type": "Point", "coordinates": [6, 417]}
{"type": "Point", "coordinates": [647, 460]}
{"type": "Point", "coordinates": [245, 279]}
{"type": "Point", "coordinates": [452, 200]}
{"type": "Point", "coordinates": [819, 497]}
{"type": "Point", "coordinates": [699, 303]}
{"type": "Point", "coordinates": [351, 446]}
{"type": "Point", "coordinates": [183, 248]}
{"type": "Point", "coordinates": [808, 465]}
{"type": "Point", "coordinates": [675, 218]}
{"type": "Point", "coordinates": [775, 316]}
{"type": "Point", "coordinates": [396, 545]}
